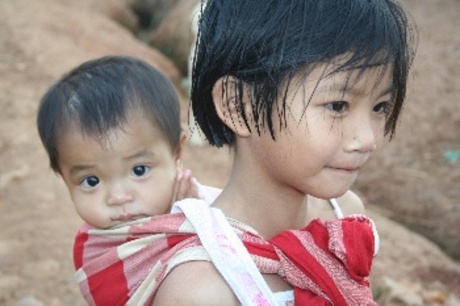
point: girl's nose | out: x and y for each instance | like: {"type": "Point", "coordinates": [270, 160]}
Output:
{"type": "Point", "coordinates": [119, 195]}
{"type": "Point", "coordinates": [362, 137]}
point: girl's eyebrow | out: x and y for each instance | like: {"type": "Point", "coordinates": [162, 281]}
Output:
{"type": "Point", "coordinates": [387, 91]}
{"type": "Point", "coordinates": [353, 90]}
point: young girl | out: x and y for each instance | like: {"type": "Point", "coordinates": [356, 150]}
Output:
{"type": "Point", "coordinates": [304, 92]}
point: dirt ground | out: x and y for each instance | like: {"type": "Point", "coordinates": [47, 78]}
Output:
{"type": "Point", "coordinates": [415, 179]}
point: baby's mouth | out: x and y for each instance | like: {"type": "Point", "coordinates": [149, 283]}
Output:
{"type": "Point", "coordinates": [126, 217]}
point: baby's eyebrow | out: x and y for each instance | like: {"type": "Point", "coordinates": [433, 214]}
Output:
{"type": "Point", "coordinates": [142, 153]}
{"type": "Point", "coordinates": [79, 168]}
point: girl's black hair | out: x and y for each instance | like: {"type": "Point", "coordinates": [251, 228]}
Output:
{"type": "Point", "coordinates": [263, 44]}
{"type": "Point", "coordinates": [97, 96]}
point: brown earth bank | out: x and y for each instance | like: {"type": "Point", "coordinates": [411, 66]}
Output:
{"type": "Point", "coordinates": [414, 180]}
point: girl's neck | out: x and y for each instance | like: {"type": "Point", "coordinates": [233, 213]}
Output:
{"type": "Point", "coordinates": [262, 203]}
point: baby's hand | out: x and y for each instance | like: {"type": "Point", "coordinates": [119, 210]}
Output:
{"type": "Point", "coordinates": [185, 186]}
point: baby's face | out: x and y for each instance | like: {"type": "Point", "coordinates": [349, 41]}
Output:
{"type": "Point", "coordinates": [127, 175]}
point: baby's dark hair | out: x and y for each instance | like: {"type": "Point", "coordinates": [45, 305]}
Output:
{"type": "Point", "coordinates": [98, 95]}
{"type": "Point", "coordinates": [265, 44]}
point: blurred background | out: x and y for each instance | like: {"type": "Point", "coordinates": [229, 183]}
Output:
{"type": "Point", "coordinates": [411, 187]}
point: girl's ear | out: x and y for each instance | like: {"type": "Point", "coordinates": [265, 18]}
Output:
{"type": "Point", "coordinates": [232, 107]}
{"type": "Point", "coordinates": [179, 152]}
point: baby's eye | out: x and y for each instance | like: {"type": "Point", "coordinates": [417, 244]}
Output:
{"type": "Point", "coordinates": [382, 108]}
{"type": "Point", "coordinates": [90, 181]}
{"type": "Point", "coordinates": [338, 106]}
{"type": "Point", "coordinates": [140, 170]}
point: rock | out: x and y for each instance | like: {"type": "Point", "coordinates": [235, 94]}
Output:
{"type": "Point", "coordinates": [8, 284]}
{"type": "Point", "coordinates": [392, 292]}
{"type": "Point", "coordinates": [116, 10]}
{"type": "Point", "coordinates": [152, 12]}
{"type": "Point", "coordinates": [29, 301]}
{"type": "Point", "coordinates": [452, 300]}
{"type": "Point", "coordinates": [120, 12]}
{"type": "Point", "coordinates": [174, 36]}
{"type": "Point", "coordinates": [37, 267]}
{"type": "Point", "coordinates": [14, 175]}
{"type": "Point", "coordinates": [434, 297]}
{"type": "Point", "coordinates": [74, 29]}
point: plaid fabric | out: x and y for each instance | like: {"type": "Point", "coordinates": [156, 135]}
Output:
{"type": "Point", "coordinates": [327, 263]}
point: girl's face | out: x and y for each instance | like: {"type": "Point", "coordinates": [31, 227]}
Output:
{"type": "Point", "coordinates": [327, 142]}
{"type": "Point", "coordinates": [127, 175]}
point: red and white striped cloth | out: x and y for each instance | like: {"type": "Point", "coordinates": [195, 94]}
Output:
{"type": "Point", "coordinates": [327, 262]}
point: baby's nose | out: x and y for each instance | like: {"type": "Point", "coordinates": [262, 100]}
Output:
{"type": "Point", "coordinates": [119, 196]}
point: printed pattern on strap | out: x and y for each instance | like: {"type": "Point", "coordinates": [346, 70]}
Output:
{"type": "Point", "coordinates": [228, 253]}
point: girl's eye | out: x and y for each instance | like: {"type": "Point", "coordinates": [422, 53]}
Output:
{"type": "Point", "coordinates": [382, 108]}
{"type": "Point", "coordinates": [338, 106]}
{"type": "Point", "coordinates": [90, 182]}
{"type": "Point", "coordinates": [139, 170]}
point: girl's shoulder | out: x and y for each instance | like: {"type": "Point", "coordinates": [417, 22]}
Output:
{"type": "Point", "coordinates": [351, 203]}
{"type": "Point", "coordinates": [194, 283]}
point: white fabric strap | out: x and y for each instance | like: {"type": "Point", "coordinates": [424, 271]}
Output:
{"type": "Point", "coordinates": [337, 210]}
{"type": "Point", "coordinates": [376, 238]}
{"type": "Point", "coordinates": [227, 252]}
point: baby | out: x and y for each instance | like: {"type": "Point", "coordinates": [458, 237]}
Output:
{"type": "Point", "coordinates": [112, 130]}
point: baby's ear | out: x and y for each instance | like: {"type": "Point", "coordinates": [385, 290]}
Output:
{"type": "Point", "coordinates": [179, 151]}
{"type": "Point", "coordinates": [232, 106]}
